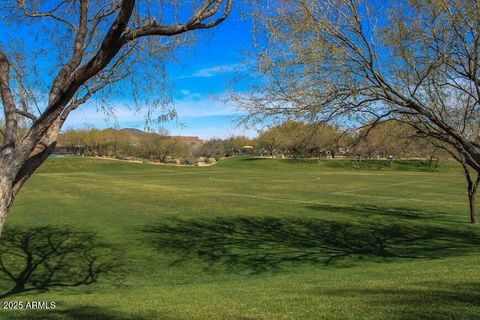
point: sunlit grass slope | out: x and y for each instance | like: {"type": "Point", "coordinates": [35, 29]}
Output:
{"type": "Point", "coordinates": [244, 239]}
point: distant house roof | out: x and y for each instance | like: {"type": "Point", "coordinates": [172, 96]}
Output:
{"type": "Point", "coordinates": [186, 138]}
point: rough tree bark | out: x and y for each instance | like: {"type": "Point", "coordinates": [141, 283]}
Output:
{"type": "Point", "coordinates": [472, 205]}
{"type": "Point", "coordinates": [472, 187]}
{"type": "Point", "coordinates": [5, 199]}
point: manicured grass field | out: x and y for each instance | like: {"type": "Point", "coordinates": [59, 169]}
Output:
{"type": "Point", "coordinates": [245, 239]}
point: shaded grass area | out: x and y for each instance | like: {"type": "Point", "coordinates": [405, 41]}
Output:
{"type": "Point", "coordinates": [41, 258]}
{"type": "Point", "coordinates": [83, 312]}
{"type": "Point", "coordinates": [246, 239]}
{"type": "Point", "coordinates": [266, 243]}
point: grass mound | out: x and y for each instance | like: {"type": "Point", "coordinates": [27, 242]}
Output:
{"type": "Point", "coordinates": [245, 239]}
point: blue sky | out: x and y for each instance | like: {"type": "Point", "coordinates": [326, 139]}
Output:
{"type": "Point", "coordinates": [200, 82]}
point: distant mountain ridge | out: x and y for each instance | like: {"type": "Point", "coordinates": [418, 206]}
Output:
{"type": "Point", "coordinates": [136, 133]}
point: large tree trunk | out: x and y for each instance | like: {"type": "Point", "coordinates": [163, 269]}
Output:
{"type": "Point", "coordinates": [472, 186]}
{"type": "Point", "coordinates": [473, 209]}
{"type": "Point", "coordinates": [5, 199]}
{"type": "Point", "coordinates": [13, 174]}
{"type": "Point", "coordinates": [472, 195]}
{"type": "Point", "coordinates": [12, 179]}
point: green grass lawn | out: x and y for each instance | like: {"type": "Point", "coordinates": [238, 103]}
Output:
{"type": "Point", "coordinates": [245, 239]}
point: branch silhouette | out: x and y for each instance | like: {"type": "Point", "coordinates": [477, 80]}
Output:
{"type": "Point", "coordinates": [37, 259]}
{"type": "Point", "coordinates": [260, 244]}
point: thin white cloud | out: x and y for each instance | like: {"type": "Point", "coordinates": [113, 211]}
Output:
{"type": "Point", "coordinates": [190, 108]}
{"type": "Point", "coordinates": [88, 114]}
{"type": "Point", "coordinates": [216, 70]}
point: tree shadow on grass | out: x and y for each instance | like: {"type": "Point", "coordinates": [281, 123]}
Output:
{"type": "Point", "coordinates": [41, 258]}
{"type": "Point", "coordinates": [392, 213]}
{"type": "Point", "coordinates": [259, 244]}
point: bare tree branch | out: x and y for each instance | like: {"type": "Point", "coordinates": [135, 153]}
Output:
{"type": "Point", "coordinates": [194, 23]}
{"type": "Point", "coordinates": [8, 107]}
{"type": "Point", "coordinates": [48, 14]}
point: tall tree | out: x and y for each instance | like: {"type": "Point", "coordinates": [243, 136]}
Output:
{"type": "Point", "coordinates": [414, 61]}
{"type": "Point", "coordinates": [106, 42]}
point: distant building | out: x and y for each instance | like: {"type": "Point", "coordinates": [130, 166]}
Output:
{"type": "Point", "coordinates": [247, 150]}
{"type": "Point", "coordinates": [187, 139]}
